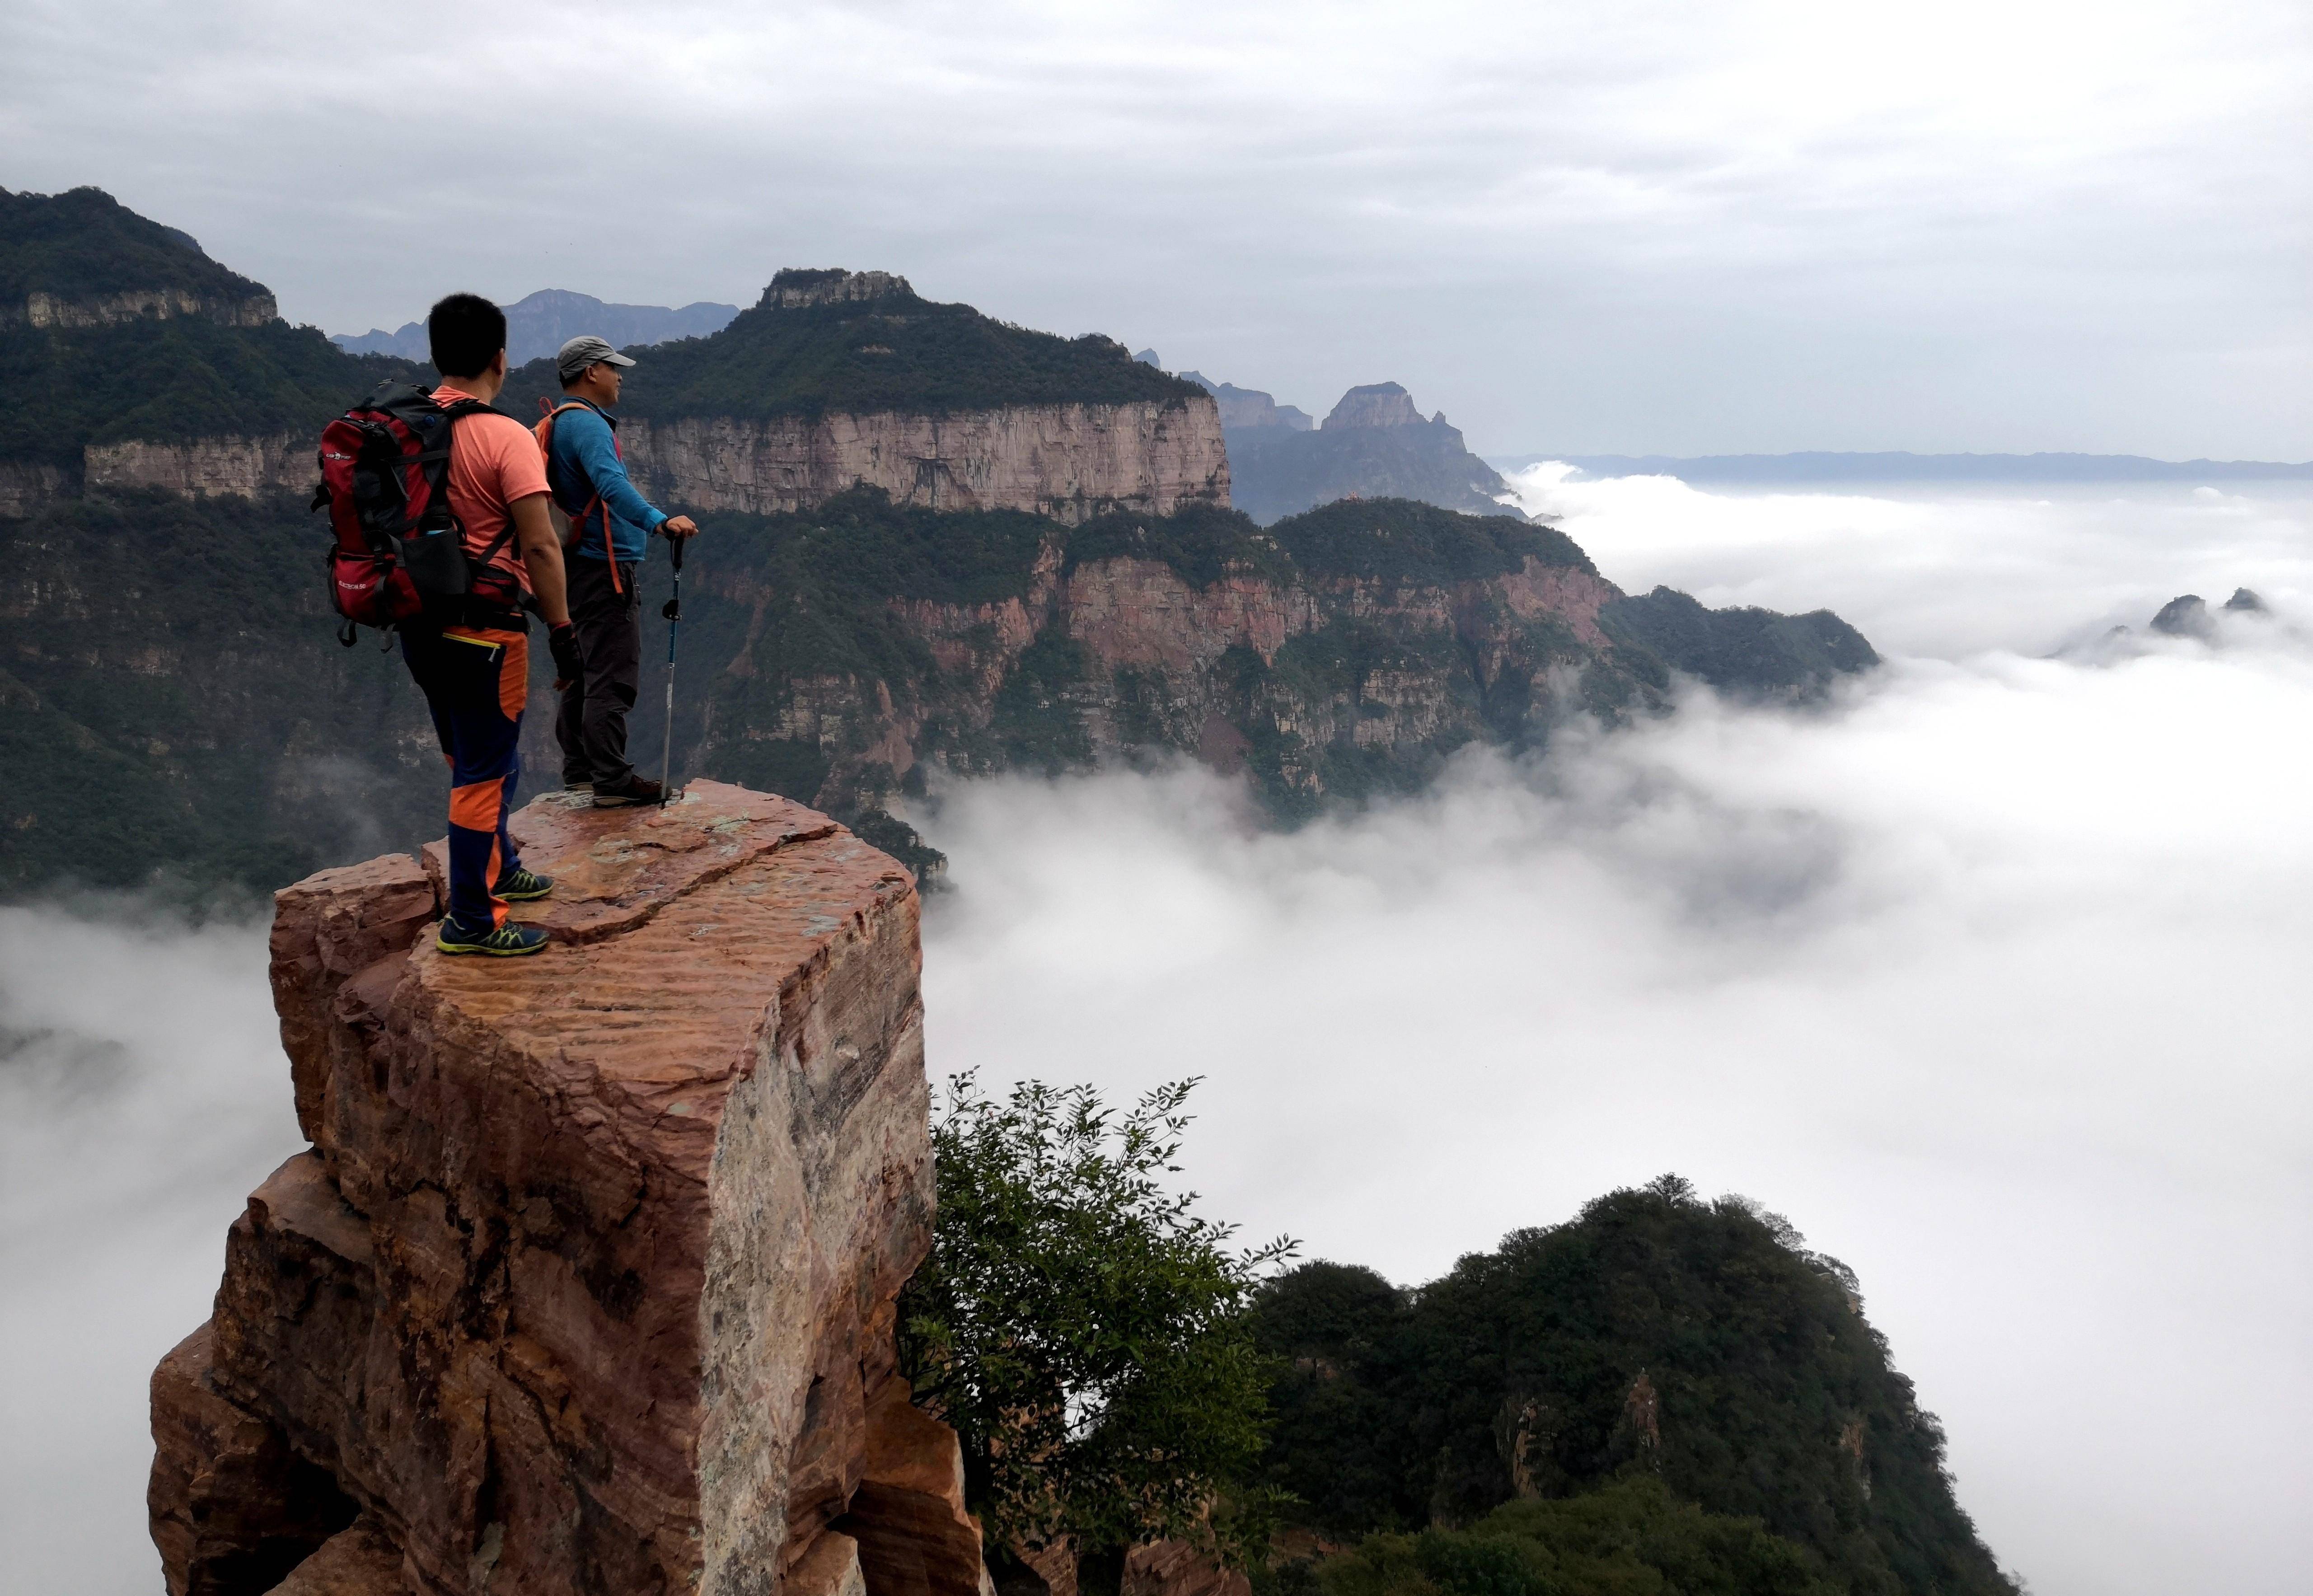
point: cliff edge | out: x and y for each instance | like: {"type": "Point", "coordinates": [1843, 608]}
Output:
{"type": "Point", "coordinates": [586, 1282]}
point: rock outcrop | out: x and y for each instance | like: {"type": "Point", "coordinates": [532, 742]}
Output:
{"type": "Point", "coordinates": [586, 1282]}
{"type": "Point", "coordinates": [1069, 461]}
{"type": "Point", "coordinates": [1376, 404]}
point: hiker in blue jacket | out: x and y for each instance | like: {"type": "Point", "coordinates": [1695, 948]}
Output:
{"type": "Point", "coordinates": [610, 527]}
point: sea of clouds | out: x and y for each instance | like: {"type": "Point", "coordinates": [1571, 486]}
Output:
{"type": "Point", "coordinates": [1988, 973]}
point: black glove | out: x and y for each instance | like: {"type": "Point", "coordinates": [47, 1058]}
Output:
{"type": "Point", "coordinates": [570, 663]}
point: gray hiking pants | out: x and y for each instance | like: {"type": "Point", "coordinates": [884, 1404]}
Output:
{"type": "Point", "coordinates": [591, 725]}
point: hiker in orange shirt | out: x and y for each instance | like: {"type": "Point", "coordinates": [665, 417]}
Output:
{"type": "Point", "coordinates": [475, 674]}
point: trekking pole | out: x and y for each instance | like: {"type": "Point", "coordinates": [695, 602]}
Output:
{"type": "Point", "coordinates": [673, 613]}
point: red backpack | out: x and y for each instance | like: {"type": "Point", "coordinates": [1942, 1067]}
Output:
{"type": "Point", "coordinates": [398, 554]}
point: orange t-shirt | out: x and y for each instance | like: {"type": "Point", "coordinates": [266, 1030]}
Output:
{"type": "Point", "coordinates": [495, 460]}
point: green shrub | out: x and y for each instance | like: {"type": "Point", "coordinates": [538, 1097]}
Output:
{"type": "Point", "coordinates": [1081, 1326]}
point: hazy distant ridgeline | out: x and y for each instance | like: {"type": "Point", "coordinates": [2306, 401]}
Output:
{"type": "Point", "coordinates": [1375, 443]}
{"type": "Point", "coordinates": [1817, 468]}
{"type": "Point", "coordinates": [539, 324]}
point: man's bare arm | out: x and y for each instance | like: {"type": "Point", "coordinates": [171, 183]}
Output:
{"type": "Point", "coordinates": [542, 553]}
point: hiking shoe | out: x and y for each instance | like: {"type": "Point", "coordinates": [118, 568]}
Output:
{"type": "Point", "coordinates": [577, 784]}
{"type": "Point", "coordinates": [509, 941]}
{"type": "Point", "coordinates": [633, 789]}
{"type": "Point", "coordinates": [523, 886]}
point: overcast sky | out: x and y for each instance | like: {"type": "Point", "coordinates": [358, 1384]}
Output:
{"type": "Point", "coordinates": [1586, 227]}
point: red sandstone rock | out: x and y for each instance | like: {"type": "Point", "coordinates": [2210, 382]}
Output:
{"type": "Point", "coordinates": [232, 1507]}
{"type": "Point", "coordinates": [592, 1263]}
{"type": "Point", "coordinates": [916, 1538]}
{"type": "Point", "coordinates": [1176, 1568]}
{"type": "Point", "coordinates": [359, 1560]}
{"type": "Point", "coordinates": [328, 927]}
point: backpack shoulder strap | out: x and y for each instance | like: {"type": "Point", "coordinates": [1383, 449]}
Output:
{"type": "Point", "coordinates": [545, 431]}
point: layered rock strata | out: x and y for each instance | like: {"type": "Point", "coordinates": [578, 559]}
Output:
{"type": "Point", "coordinates": [586, 1282]}
{"type": "Point", "coordinates": [1067, 461]}
{"type": "Point", "coordinates": [1292, 671]}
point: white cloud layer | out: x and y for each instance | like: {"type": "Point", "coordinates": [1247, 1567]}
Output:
{"type": "Point", "coordinates": [1592, 226]}
{"type": "Point", "coordinates": [1990, 975]}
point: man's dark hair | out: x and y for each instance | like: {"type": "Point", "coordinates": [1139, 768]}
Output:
{"type": "Point", "coordinates": [466, 332]}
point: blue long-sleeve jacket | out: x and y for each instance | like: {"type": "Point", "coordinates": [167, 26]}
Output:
{"type": "Point", "coordinates": [582, 462]}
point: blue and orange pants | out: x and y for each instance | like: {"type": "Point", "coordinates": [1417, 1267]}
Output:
{"type": "Point", "coordinates": [476, 680]}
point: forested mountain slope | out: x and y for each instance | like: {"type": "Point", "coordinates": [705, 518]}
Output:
{"type": "Point", "coordinates": [1547, 1395]}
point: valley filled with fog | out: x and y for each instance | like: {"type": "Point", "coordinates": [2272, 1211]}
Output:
{"type": "Point", "coordinates": [1986, 973]}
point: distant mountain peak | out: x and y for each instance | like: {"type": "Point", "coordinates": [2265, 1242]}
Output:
{"type": "Point", "coordinates": [1376, 404]}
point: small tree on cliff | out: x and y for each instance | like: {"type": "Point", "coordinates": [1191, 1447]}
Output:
{"type": "Point", "coordinates": [1082, 1328]}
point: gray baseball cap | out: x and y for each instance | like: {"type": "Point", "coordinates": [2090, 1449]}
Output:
{"type": "Point", "coordinates": [584, 351]}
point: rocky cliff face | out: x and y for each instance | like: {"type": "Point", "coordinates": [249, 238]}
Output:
{"type": "Point", "coordinates": [853, 653]}
{"type": "Point", "coordinates": [27, 485]}
{"type": "Point", "coordinates": [107, 309]}
{"type": "Point", "coordinates": [586, 1282]}
{"type": "Point", "coordinates": [243, 466]}
{"type": "Point", "coordinates": [1069, 461]}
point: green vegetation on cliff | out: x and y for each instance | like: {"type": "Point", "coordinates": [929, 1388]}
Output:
{"type": "Point", "coordinates": [1630, 1538]}
{"type": "Point", "coordinates": [891, 352]}
{"type": "Point", "coordinates": [84, 244]}
{"type": "Point", "coordinates": [1740, 650]}
{"type": "Point", "coordinates": [1405, 540]}
{"type": "Point", "coordinates": [172, 702]}
{"type": "Point", "coordinates": [1655, 1338]}
{"type": "Point", "coordinates": [172, 382]}
{"type": "Point", "coordinates": [159, 379]}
